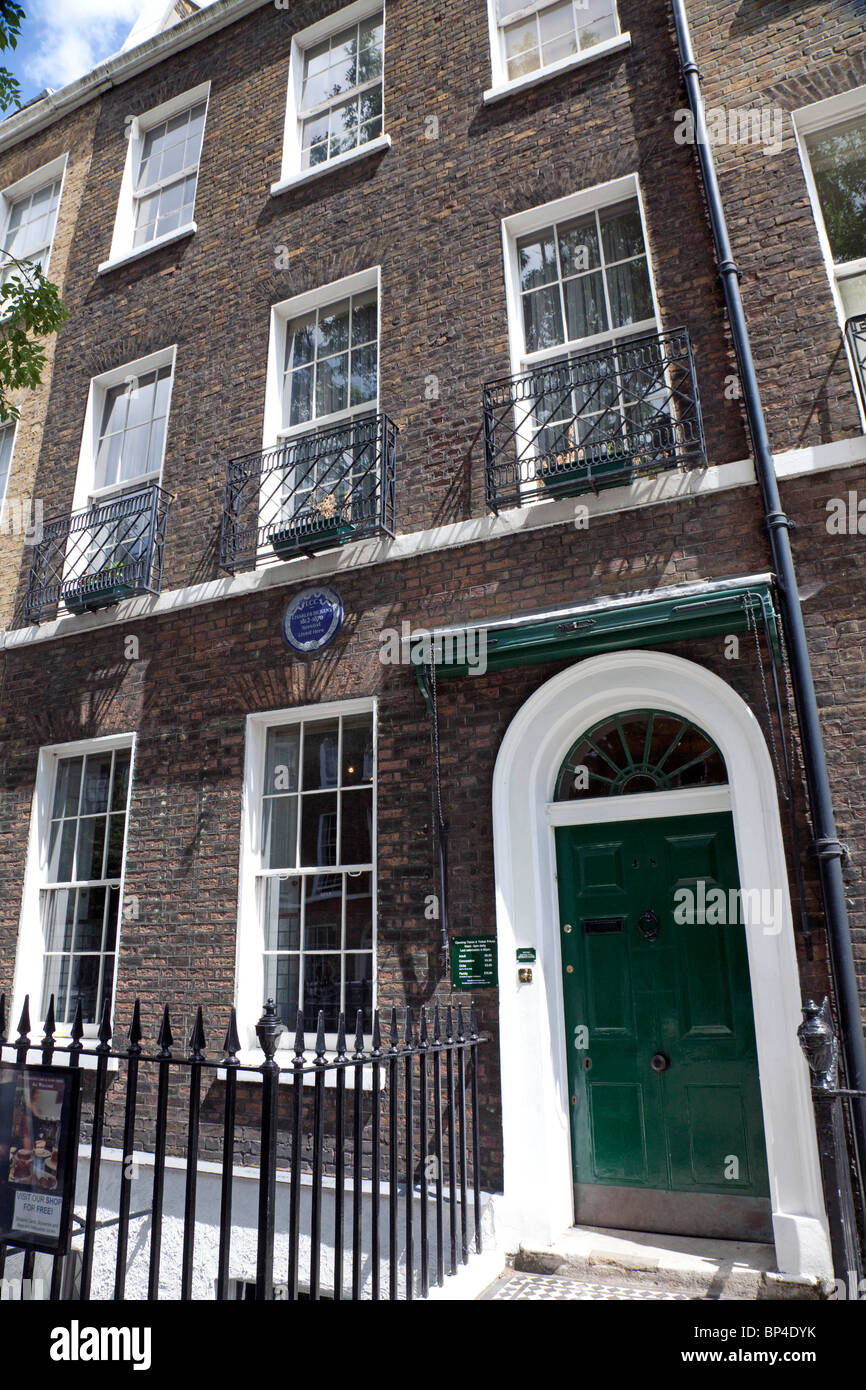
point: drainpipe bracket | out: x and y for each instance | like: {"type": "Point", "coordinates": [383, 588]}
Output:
{"type": "Point", "coordinates": [777, 520]}
{"type": "Point", "coordinates": [827, 848]}
{"type": "Point", "coordinates": [728, 267]}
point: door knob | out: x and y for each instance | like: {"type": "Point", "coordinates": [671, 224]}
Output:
{"type": "Point", "coordinates": [660, 1062]}
{"type": "Point", "coordinates": [648, 924]}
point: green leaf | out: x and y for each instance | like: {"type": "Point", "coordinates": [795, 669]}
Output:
{"type": "Point", "coordinates": [30, 309]}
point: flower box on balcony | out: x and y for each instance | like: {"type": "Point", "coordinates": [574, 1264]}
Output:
{"type": "Point", "coordinates": [571, 472]}
{"type": "Point", "coordinates": [296, 540]}
{"type": "Point", "coordinates": [324, 525]}
{"type": "Point", "coordinates": [101, 590]}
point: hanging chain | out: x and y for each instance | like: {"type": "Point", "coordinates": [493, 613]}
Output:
{"type": "Point", "coordinates": [781, 780]}
{"type": "Point", "coordinates": [437, 771]}
{"type": "Point", "coordinates": [442, 829]}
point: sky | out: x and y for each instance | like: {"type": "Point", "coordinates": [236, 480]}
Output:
{"type": "Point", "coordinates": [63, 39]}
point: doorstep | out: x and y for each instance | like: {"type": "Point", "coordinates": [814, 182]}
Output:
{"type": "Point", "coordinates": [700, 1268]}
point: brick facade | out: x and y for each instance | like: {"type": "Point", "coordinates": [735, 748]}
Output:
{"type": "Point", "coordinates": [428, 212]}
{"type": "Point", "coordinates": [71, 136]}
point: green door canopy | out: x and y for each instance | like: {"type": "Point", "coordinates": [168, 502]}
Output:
{"type": "Point", "coordinates": [684, 613]}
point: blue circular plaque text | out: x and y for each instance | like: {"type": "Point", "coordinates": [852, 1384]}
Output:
{"type": "Point", "coordinates": [312, 618]}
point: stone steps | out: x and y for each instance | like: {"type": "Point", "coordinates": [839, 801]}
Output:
{"type": "Point", "coordinates": [710, 1269]}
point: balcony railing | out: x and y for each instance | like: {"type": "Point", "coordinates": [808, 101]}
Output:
{"type": "Point", "coordinates": [96, 557]}
{"type": "Point", "coordinates": [310, 493]}
{"type": "Point", "coordinates": [594, 419]}
{"type": "Point", "coordinates": [855, 335]}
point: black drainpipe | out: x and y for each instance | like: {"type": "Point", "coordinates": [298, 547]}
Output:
{"type": "Point", "coordinates": [827, 847]}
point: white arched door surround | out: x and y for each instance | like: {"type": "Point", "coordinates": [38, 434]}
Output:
{"type": "Point", "coordinates": [538, 1196]}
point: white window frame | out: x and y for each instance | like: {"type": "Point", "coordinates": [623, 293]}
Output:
{"type": "Point", "coordinates": [291, 172]}
{"type": "Point", "coordinates": [249, 961]}
{"type": "Point", "coordinates": [274, 432]}
{"type": "Point", "coordinates": [281, 316]}
{"type": "Point", "coordinates": [30, 957]}
{"type": "Point", "coordinates": [122, 249]}
{"type": "Point", "coordinates": [816, 119]}
{"type": "Point", "coordinates": [31, 183]}
{"type": "Point", "coordinates": [12, 427]}
{"type": "Point", "coordinates": [503, 86]}
{"type": "Point", "coordinates": [86, 492]}
{"type": "Point", "coordinates": [522, 224]}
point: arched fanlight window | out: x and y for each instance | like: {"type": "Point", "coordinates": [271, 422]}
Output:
{"type": "Point", "coordinates": [641, 751]}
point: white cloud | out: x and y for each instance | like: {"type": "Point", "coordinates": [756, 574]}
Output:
{"type": "Point", "coordinates": [75, 35]}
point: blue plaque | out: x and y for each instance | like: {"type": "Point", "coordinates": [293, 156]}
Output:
{"type": "Point", "coordinates": [312, 619]}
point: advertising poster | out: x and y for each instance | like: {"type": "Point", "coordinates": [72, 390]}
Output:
{"type": "Point", "coordinates": [38, 1115]}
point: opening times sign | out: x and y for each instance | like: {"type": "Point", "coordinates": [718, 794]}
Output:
{"type": "Point", "coordinates": [39, 1109]}
{"type": "Point", "coordinates": [473, 962]}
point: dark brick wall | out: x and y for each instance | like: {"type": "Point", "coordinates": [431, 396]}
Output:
{"type": "Point", "coordinates": [428, 212]}
{"type": "Point", "coordinates": [783, 55]}
{"type": "Point", "coordinates": [201, 672]}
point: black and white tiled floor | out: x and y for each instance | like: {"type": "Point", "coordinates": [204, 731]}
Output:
{"type": "Point", "coordinates": [547, 1287]}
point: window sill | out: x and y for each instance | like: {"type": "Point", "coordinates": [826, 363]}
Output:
{"type": "Point", "coordinates": [118, 490]}
{"type": "Point", "coordinates": [189, 230]}
{"type": "Point", "coordinates": [577, 60]}
{"type": "Point", "coordinates": [382, 142]}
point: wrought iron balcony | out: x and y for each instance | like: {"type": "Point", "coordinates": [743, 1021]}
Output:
{"type": "Point", "coordinates": [855, 335]}
{"type": "Point", "coordinates": [96, 557]}
{"type": "Point", "coordinates": [593, 419]}
{"type": "Point", "coordinates": [310, 493]}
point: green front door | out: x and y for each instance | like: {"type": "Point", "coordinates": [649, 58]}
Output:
{"type": "Point", "coordinates": [667, 1131]}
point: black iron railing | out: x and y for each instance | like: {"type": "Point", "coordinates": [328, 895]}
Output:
{"type": "Point", "coordinates": [835, 1123]}
{"type": "Point", "coordinates": [855, 336]}
{"type": "Point", "coordinates": [96, 557]}
{"type": "Point", "coordinates": [311, 492]}
{"type": "Point", "coordinates": [593, 419]}
{"type": "Point", "coordinates": [367, 1160]}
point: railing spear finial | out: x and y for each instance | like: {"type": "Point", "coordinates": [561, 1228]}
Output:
{"type": "Point", "coordinates": [341, 1037]}
{"type": "Point", "coordinates": [135, 1034]}
{"type": "Point", "coordinates": [300, 1040]}
{"type": "Point", "coordinates": [165, 1038]}
{"type": "Point", "coordinates": [22, 1042]}
{"type": "Point", "coordinates": [232, 1044]}
{"type": "Point", "coordinates": [49, 1028]}
{"type": "Point", "coordinates": [104, 1033]}
{"type": "Point", "coordinates": [197, 1042]}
